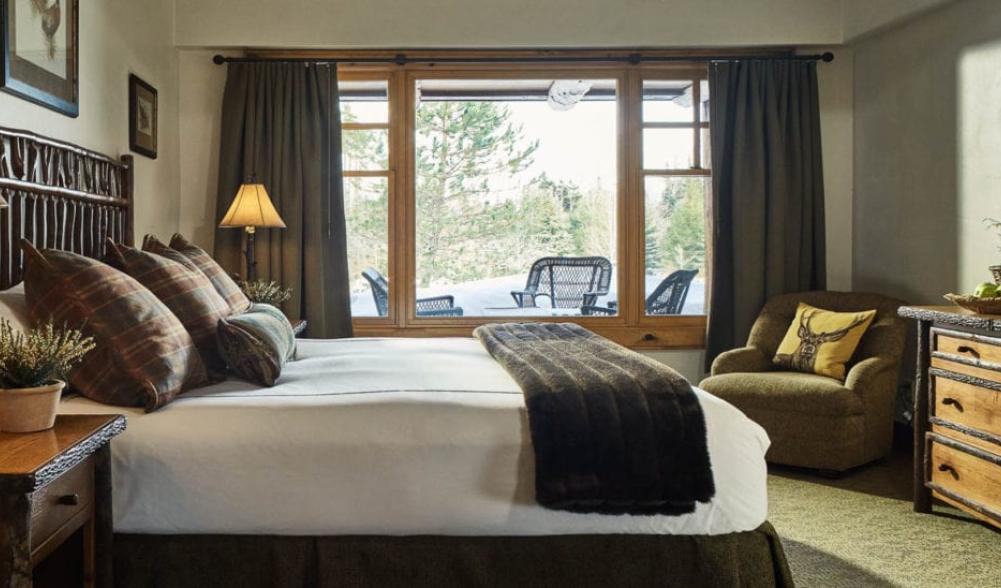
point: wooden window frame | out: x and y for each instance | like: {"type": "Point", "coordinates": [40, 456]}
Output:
{"type": "Point", "coordinates": [631, 326]}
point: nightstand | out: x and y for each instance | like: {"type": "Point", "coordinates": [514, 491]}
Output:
{"type": "Point", "coordinates": [299, 327]}
{"type": "Point", "coordinates": [53, 484]}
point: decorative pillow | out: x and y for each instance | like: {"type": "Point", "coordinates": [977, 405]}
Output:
{"type": "Point", "coordinates": [14, 308]}
{"type": "Point", "coordinates": [257, 343]}
{"type": "Point", "coordinates": [224, 285]}
{"type": "Point", "coordinates": [822, 341]}
{"type": "Point", "coordinates": [144, 356]}
{"type": "Point", "coordinates": [186, 292]}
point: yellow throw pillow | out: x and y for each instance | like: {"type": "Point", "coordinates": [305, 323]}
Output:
{"type": "Point", "coordinates": [822, 341]}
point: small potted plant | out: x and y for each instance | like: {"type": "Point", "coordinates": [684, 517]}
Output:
{"type": "Point", "coordinates": [995, 225]}
{"type": "Point", "coordinates": [266, 292]}
{"type": "Point", "coordinates": [32, 368]}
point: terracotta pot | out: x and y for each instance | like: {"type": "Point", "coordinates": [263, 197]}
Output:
{"type": "Point", "coordinates": [25, 410]}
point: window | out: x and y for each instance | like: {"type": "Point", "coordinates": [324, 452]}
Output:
{"type": "Point", "coordinates": [675, 188]}
{"type": "Point", "coordinates": [365, 159]}
{"type": "Point", "coordinates": [505, 176]}
{"type": "Point", "coordinates": [459, 176]}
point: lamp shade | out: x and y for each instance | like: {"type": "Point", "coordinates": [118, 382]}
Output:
{"type": "Point", "coordinates": [252, 207]}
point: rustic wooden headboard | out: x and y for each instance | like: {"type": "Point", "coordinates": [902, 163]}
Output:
{"type": "Point", "coordinates": [59, 196]}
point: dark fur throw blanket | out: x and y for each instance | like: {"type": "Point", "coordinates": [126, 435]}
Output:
{"type": "Point", "coordinates": [614, 432]}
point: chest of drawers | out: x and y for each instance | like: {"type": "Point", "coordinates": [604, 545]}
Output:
{"type": "Point", "coordinates": [957, 411]}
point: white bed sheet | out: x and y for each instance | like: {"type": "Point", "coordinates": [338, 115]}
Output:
{"type": "Point", "coordinates": [381, 436]}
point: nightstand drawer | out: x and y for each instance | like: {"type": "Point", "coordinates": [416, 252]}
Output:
{"type": "Point", "coordinates": [966, 476]}
{"type": "Point", "coordinates": [67, 499]}
{"type": "Point", "coordinates": [968, 347]}
{"type": "Point", "coordinates": [967, 405]}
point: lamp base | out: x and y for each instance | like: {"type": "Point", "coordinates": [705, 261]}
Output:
{"type": "Point", "coordinates": [251, 263]}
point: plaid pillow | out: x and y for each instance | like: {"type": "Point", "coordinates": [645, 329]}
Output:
{"type": "Point", "coordinates": [224, 285]}
{"type": "Point", "coordinates": [144, 356]}
{"type": "Point", "coordinates": [257, 343]}
{"type": "Point", "coordinates": [185, 291]}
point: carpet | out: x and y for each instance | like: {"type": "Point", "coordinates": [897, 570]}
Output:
{"type": "Point", "coordinates": [860, 530]}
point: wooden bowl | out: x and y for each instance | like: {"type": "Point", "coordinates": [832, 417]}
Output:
{"type": "Point", "coordinates": [981, 305]}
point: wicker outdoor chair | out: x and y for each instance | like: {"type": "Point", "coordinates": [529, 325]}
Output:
{"type": "Point", "coordinates": [568, 282]}
{"type": "Point", "coordinates": [667, 298]}
{"type": "Point", "coordinates": [433, 306]}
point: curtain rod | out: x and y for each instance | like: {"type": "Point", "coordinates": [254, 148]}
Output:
{"type": "Point", "coordinates": [632, 58]}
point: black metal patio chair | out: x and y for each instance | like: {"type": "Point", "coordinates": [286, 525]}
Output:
{"type": "Point", "coordinates": [667, 298]}
{"type": "Point", "coordinates": [433, 306]}
{"type": "Point", "coordinates": [568, 282]}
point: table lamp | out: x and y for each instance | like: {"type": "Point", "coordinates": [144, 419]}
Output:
{"type": "Point", "coordinates": [252, 208]}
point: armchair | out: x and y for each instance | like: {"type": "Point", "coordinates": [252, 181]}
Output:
{"type": "Point", "coordinates": [815, 421]}
{"type": "Point", "coordinates": [568, 282]}
{"type": "Point", "coordinates": [433, 306]}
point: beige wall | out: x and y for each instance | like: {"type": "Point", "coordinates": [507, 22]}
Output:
{"type": "Point", "coordinates": [864, 17]}
{"type": "Point", "coordinates": [119, 37]}
{"type": "Point", "coordinates": [926, 142]}
{"type": "Point", "coordinates": [508, 23]}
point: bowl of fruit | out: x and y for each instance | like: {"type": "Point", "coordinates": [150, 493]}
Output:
{"type": "Point", "coordinates": [986, 299]}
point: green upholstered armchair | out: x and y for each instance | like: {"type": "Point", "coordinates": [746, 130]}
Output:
{"type": "Point", "coordinates": [815, 421]}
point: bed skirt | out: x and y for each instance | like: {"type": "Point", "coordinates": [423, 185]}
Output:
{"type": "Point", "coordinates": [748, 559]}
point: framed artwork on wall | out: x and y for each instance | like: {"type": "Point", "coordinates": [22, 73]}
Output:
{"type": "Point", "coordinates": [142, 117]}
{"type": "Point", "coordinates": [41, 52]}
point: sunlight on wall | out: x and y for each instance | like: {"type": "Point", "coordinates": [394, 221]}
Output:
{"type": "Point", "coordinates": [978, 162]}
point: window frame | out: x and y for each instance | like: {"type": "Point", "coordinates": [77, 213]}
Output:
{"type": "Point", "coordinates": [631, 326]}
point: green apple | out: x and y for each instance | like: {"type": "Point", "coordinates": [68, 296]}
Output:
{"type": "Point", "coordinates": [986, 290]}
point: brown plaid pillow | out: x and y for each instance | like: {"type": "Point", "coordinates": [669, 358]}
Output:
{"type": "Point", "coordinates": [144, 356]}
{"type": "Point", "coordinates": [185, 291]}
{"type": "Point", "coordinates": [224, 285]}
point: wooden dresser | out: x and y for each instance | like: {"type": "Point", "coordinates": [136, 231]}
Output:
{"type": "Point", "coordinates": [957, 411]}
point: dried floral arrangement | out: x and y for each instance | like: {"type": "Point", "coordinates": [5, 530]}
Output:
{"type": "Point", "coordinates": [40, 356]}
{"type": "Point", "coordinates": [266, 292]}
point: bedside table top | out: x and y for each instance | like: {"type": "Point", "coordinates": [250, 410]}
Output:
{"type": "Point", "coordinates": [30, 460]}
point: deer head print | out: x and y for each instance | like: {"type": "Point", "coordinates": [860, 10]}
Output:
{"type": "Point", "coordinates": [805, 355]}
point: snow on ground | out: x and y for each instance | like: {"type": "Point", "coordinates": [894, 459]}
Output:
{"type": "Point", "coordinates": [492, 297]}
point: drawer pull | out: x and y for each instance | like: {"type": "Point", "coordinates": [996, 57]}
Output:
{"type": "Point", "coordinates": [649, 337]}
{"type": "Point", "coordinates": [947, 401]}
{"type": "Point", "coordinates": [948, 468]}
{"type": "Point", "coordinates": [969, 350]}
{"type": "Point", "coordinates": [69, 499]}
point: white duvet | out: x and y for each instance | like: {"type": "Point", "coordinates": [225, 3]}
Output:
{"type": "Point", "coordinates": [381, 436]}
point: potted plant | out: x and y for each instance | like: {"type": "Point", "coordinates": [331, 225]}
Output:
{"type": "Point", "coordinates": [32, 368]}
{"type": "Point", "coordinates": [266, 292]}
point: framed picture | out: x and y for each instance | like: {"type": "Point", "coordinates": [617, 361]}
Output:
{"type": "Point", "coordinates": [142, 117]}
{"type": "Point", "coordinates": [41, 52]}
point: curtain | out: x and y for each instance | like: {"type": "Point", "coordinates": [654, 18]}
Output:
{"type": "Point", "coordinates": [281, 123]}
{"type": "Point", "coordinates": [767, 207]}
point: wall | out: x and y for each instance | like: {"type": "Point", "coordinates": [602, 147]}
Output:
{"type": "Point", "coordinates": [865, 17]}
{"type": "Point", "coordinates": [511, 23]}
{"type": "Point", "coordinates": [926, 145]}
{"type": "Point", "coordinates": [119, 37]}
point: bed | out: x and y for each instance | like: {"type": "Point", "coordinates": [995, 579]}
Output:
{"type": "Point", "coordinates": [373, 462]}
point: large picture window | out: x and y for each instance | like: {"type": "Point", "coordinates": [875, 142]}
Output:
{"type": "Point", "coordinates": [503, 191]}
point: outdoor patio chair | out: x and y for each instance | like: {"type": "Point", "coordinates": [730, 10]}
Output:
{"type": "Point", "coordinates": [568, 282]}
{"type": "Point", "coordinates": [667, 298]}
{"type": "Point", "coordinates": [434, 306]}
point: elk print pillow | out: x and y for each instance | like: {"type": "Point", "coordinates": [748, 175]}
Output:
{"type": "Point", "coordinates": [822, 341]}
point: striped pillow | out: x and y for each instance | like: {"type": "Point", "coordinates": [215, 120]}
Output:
{"type": "Point", "coordinates": [225, 285]}
{"type": "Point", "coordinates": [144, 356]}
{"type": "Point", "coordinates": [185, 291]}
{"type": "Point", "coordinates": [257, 343]}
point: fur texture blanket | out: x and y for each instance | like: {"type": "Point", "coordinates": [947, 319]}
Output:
{"type": "Point", "coordinates": [613, 431]}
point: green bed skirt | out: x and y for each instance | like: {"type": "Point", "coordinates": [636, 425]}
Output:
{"type": "Point", "coordinates": [753, 558]}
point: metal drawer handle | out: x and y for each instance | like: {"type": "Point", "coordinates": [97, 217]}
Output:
{"type": "Point", "coordinates": [952, 402]}
{"type": "Point", "coordinates": [69, 499]}
{"type": "Point", "coordinates": [968, 349]}
{"type": "Point", "coordinates": [948, 468]}
{"type": "Point", "coordinates": [649, 337]}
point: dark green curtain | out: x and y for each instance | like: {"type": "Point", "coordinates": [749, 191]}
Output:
{"type": "Point", "coordinates": [281, 122]}
{"type": "Point", "coordinates": [767, 206]}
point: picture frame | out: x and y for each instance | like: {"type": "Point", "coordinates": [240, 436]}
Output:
{"type": "Point", "coordinates": [143, 125]}
{"type": "Point", "coordinates": [41, 52]}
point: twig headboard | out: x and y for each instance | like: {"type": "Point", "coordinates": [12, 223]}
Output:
{"type": "Point", "coordinates": [59, 196]}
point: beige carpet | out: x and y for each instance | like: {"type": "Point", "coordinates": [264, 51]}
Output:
{"type": "Point", "coordinates": [860, 530]}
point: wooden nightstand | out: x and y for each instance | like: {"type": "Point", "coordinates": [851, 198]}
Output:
{"type": "Point", "coordinates": [52, 484]}
{"type": "Point", "coordinates": [299, 327]}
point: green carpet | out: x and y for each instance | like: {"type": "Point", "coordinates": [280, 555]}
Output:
{"type": "Point", "coordinates": [860, 530]}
